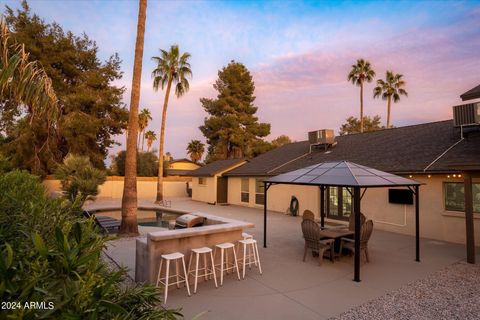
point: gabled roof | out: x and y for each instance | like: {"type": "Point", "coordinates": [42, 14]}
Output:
{"type": "Point", "coordinates": [402, 150]}
{"type": "Point", "coordinates": [181, 160]}
{"type": "Point", "coordinates": [216, 167]}
{"type": "Point", "coordinates": [471, 94]}
{"type": "Point", "coordinates": [341, 173]}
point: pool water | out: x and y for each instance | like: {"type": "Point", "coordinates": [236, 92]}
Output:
{"type": "Point", "coordinates": [146, 218]}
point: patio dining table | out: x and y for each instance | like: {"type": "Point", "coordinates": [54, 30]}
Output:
{"type": "Point", "coordinates": [336, 234]}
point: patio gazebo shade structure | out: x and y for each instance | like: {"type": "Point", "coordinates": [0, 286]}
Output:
{"type": "Point", "coordinates": [350, 175]}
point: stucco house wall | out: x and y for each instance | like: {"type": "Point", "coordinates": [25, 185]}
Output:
{"type": "Point", "coordinates": [183, 165]}
{"type": "Point", "coordinates": [205, 192]}
{"type": "Point", "coordinates": [435, 221]}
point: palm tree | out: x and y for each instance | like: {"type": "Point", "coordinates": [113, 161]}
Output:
{"type": "Point", "coordinates": [129, 200]}
{"type": "Point", "coordinates": [195, 149]}
{"type": "Point", "coordinates": [150, 136]}
{"type": "Point", "coordinates": [143, 119]}
{"type": "Point", "coordinates": [361, 71]}
{"type": "Point", "coordinates": [172, 68]}
{"type": "Point", "coordinates": [391, 87]}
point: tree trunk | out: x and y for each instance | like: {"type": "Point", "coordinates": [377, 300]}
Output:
{"type": "Point", "coordinates": [143, 139]}
{"type": "Point", "coordinates": [361, 107]}
{"type": "Point", "coordinates": [388, 111]}
{"type": "Point", "coordinates": [162, 139]}
{"type": "Point", "coordinates": [129, 225]}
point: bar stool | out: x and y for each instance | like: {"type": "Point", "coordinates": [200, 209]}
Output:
{"type": "Point", "coordinates": [250, 245]}
{"type": "Point", "coordinates": [206, 271]}
{"type": "Point", "coordinates": [223, 247]}
{"type": "Point", "coordinates": [246, 236]}
{"type": "Point", "coordinates": [175, 256]}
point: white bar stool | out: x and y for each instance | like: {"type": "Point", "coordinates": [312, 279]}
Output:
{"type": "Point", "coordinates": [246, 236]}
{"type": "Point", "coordinates": [176, 256]}
{"type": "Point", "coordinates": [223, 247]}
{"type": "Point", "coordinates": [206, 271]}
{"type": "Point", "coordinates": [250, 245]}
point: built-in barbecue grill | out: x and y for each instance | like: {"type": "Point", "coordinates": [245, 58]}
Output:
{"type": "Point", "coordinates": [188, 221]}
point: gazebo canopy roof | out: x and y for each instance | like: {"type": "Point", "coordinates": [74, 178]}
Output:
{"type": "Point", "coordinates": [342, 173]}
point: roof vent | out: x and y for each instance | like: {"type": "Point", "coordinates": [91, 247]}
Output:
{"type": "Point", "coordinates": [466, 114]}
{"type": "Point", "coordinates": [323, 137]}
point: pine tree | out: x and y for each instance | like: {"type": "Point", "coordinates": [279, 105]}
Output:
{"type": "Point", "coordinates": [232, 129]}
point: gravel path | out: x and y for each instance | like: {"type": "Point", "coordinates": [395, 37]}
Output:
{"type": "Point", "coordinates": [451, 293]}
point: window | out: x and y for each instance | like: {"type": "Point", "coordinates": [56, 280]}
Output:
{"type": "Point", "coordinates": [455, 197]}
{"type": "Point", "coordinates": [259, 192]}
{"type": "Point", "coordinates": [245, 193]}
{"type": "Point", "coordinates": [346, 202]}
{"type": "Point", "coordinates": [202, 181]}
{"type": "Point", "coordinates": [339, 203]}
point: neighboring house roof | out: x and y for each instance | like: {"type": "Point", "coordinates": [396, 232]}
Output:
{"type": "Point", "coordinates": [216, 167]}
{"type": "Point", "coordinates": [402, 150]}
{"type": "Point", "coordinates": [181, 160]}
{"type": "Point", "coordinates": [471, 94]}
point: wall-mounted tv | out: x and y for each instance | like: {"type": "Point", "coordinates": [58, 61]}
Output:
{"type": "Point", "coordinates": [400, 196]}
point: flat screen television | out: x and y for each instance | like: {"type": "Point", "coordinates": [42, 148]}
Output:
{"type": "Point", "coordinates": [400, 196]}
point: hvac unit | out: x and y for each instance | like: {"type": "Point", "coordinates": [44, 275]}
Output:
{"type": "Point", "coordinates": [466, 114]}
{"type": "Point", "coordinates": [324, 136]}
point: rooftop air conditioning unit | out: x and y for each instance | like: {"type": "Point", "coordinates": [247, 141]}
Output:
{"type": "Point", "coordinates": [324, 136]}
{"type": "Point", "coordinates": [466, 114]}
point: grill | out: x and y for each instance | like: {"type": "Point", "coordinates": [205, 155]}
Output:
{"type": "Point", "coordinates": [188, 221]}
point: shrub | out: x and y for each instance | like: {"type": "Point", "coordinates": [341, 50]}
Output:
{"type": "Point", "coordinates": [79, 178]}
{"type": "Point", "coordinates": [50, 254]}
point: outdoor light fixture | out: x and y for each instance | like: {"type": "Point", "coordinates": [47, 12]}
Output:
{"type": "Point", "coordinates": [429, 176]}
{"type": "Point", "coordinates": [448, 176]}
{"type": "Point", "coordinates": [454, 175]}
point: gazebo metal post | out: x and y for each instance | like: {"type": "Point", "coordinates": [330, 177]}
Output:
{"type": "Point", "coordinates": [467, 182]}
{"type": "Point", "coordinates": [417, 223]}
{"type": "Point", "coordinates": [322, 206]}
{"type": "Point", "coordinates": [356, 210]}
{"type": "Point", "coordinates": [265, 189]}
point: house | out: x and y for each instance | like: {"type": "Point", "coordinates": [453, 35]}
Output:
{"type": "Point", "coordinates": [208, 183]}
{"type": "Point", "coordinates": [437, 154]}
{"type": "Point", "coordinates": [181, 167]}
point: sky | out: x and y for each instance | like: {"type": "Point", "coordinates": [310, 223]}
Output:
{"type": "Point", "coordinates": [299, 54]}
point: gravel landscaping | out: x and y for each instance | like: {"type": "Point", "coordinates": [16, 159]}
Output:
{"type": "Point", "coordinates": [451, 293]}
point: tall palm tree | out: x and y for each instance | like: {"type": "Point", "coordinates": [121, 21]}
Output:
{"type": "Point", "coordinates": [195, 149]}
{"type": "Point", "coordinates": [172, 68]}
{"type": "Point", "coordinates": [391, 87]}
{"type": "Point", "coordinates": [143, 119]}
{"type": "Point", "coordinates": [361, 72]}
{"type": "Point", "coordinates": [150, 136]}
{"type": "Point", "coordinates": [129, 200]}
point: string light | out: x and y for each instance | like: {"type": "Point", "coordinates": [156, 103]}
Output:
{"type": "Point", "coordinates": [448, 176]}
{"type": "Point", "coordinates": [454, 175]}
{"type": "Point", "coordinates": [410, 176]}
{"type": "Point", "coordinates": [429, 176]}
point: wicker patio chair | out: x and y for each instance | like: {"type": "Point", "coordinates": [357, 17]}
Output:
{"type": "Point", "coordinates": [308, 215]}
{"type": "Point", "coordinates": [365, 233]}
{"type": "Point", "coordinates": [311, 234]}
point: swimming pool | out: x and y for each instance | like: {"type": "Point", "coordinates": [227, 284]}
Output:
{"type": "Point", "coordinates": [146, 218]}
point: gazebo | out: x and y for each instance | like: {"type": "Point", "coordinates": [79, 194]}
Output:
{"type": "Point", "coordinates": [354, 177]}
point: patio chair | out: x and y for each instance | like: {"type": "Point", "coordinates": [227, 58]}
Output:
{"type": "Point", "coordinates": [106, 224]}
{"type": "Point", "coordinates": [311, 234]}
{"type": "Point", "coordinates": [308, 215]}
{"type": "Point", "coordinates": [365, 233]}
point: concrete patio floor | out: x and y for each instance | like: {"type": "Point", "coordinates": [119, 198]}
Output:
{"type": "Point", "coordinates": [290, 288]}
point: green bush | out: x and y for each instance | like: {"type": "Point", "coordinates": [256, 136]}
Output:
{"type": "Point", "coordinates": [51, 255]}
{"type": "Point", "coordinates": [79, 178]}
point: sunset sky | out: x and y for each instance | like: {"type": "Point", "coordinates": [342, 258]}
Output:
{"type": "Point", "coordinates": [299, 55]}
